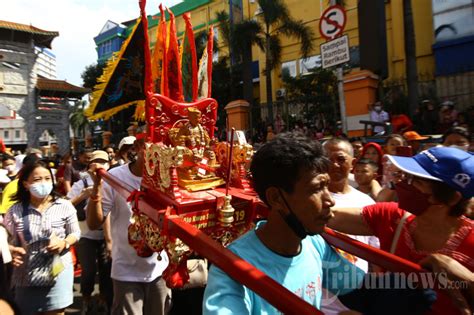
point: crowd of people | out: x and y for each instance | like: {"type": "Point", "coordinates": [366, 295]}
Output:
{"type": "Point", "coordinates": [411, 195]}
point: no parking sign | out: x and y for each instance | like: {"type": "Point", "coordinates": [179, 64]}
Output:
{"type": "Point", "coordinates": [332, 22]}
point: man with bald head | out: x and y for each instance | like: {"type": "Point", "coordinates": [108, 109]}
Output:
{"type": "Point", "coordinates": [341, 154]}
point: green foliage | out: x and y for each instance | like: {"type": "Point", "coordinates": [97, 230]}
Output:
{"type": "Point", "coordinates": [78, 120]}
{"type": "Point", "coordinates": [90, 75]}
{"type": "Point", "coordinates": [317, 91]}
{"type": "Point", "coordinates": [277, 21]}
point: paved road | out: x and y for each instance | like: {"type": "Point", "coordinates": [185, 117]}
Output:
{"type": "Point", "coordinates": [76, 307]}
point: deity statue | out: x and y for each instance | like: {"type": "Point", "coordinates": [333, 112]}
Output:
{"type": "Point", "coordinates": [199, 158]}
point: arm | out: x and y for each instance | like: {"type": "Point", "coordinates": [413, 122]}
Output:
{"type": "Point", "coordinates": [350, 221]}
{"type": "Point", "coordinates": [72, 230]}
{"type": "Point", "coordinates": [392, 300]}
{"type": "Point", "coordinates": [107, 236]}
{"type": "Point", "coordinates": [67, 179]}
{"type": "Point", "coordinates": [95, 216]}
{"type": "Point", "coordinates": [225, 296]}
{"type": "Point", "coordinates": [451, 270]}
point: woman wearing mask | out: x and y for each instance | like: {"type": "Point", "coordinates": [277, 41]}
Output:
{"type": "Point", "coordinates": [457, 137]}
{"type": "Point", "coordinates": [43, 228]}
{"type": "Point", "coordinates": [429, 217]}
{"type": "Point", "coordinates": [9, 164]}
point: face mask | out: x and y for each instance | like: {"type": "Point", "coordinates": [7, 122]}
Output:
{"type": "Point", "coordinates": [292, 221]}
{"type": "Point", "coordinates": [378, 108]}
{"type": "Point", "coordinates": [10, 168]}
{"type": "Point", "coordinates": [132, 156]}
{"type": "Point", "coordinates": [411, 199]}
{"type": "Point", "coordinates": [106, 166]}
{"type": "Point", "coordinates": [460, 147]}
{"type": "Point", "coordinates": [41, 190]}
{"type": "Point", "coordinates": [111, 156]}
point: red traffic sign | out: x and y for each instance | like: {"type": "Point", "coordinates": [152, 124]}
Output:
{"type": "Point", "coordinates": [332, 22]}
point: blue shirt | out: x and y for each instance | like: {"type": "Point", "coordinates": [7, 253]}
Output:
{"type": "Point", "coordinates": [316, 266]}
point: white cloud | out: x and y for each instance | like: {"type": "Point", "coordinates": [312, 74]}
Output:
{"type": "Point", "coordinates": [78, 22]}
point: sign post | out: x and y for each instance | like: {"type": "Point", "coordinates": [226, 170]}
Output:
{"type": "Point", "coordinates": [336, 51]}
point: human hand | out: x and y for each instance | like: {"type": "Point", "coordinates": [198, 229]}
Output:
{"type": "Point", "coordinates": [93, 172]}
{"type": "Point", "coordinates": [453, 271]}
{"type": "Point", "coordinates": [108, 248]}
{"type": "Point", "coordinates": [87, 191]}
{"type": "Point", "coordinates": [17, 255]}
{"type": "Point", "coordinates": [56, 244]}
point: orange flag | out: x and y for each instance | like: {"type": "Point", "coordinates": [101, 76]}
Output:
{"type": "Point", "coordinates": [159, 55]}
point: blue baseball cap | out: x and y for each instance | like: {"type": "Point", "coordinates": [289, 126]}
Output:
{"type": "Point", "coordinates": [451, 166]}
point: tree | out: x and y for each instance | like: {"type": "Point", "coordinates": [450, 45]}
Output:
{"type": "Point", "coordinates": [78, 120]}
{"type": "Point", "coordinates": [410, 57]}
{"type": "Point", "coordinates": [276, 21]}
{"type": "Point", "coordinates": [90, 75]}
{"type": "Point", "coordinates": [240, 37]}
{"type": "Point", "coordinates": [316, 91]}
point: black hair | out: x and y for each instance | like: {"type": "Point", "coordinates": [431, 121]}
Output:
{"type": "Point", "coordinates": [396, 136]}
{"type": "Point", "coordinates": [22, 194]}
{"type": "Point", "coordinates": [6, 157]}
{"type": "Point", "coordinates": [444, 193]}
{"type": "Point", "coordinates": [85, 150]}
{"type": "Point", "coordinates": [30, 158]}
{"type": "Point", "coordinates": [356, 139]}
{"type": "Point", "coordinates": [368, 162]}
{"type": "Point", "coordinates": [458, 130]}
{"type": "Point", "coordinates": [108, 147]}
{"type": "Point", "coordinates": [281, 162]}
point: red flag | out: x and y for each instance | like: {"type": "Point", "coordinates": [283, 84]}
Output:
{"type": "Point", "coordinates": [210, 47]}
{"type": "Point", "coordinates": [175, 84]}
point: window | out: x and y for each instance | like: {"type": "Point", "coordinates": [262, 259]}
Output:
{"type": "Point", "coordinates": [289, 67]}
{"type": "Point", "coordinates": [6, 134]}
{"type": "Point", "coordinates": [17, 134]}
{"type": "Point", "coordinates": [306, 65]}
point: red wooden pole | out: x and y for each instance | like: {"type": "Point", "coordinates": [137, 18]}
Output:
{"type": "Point", "coordinates": [369, 253]}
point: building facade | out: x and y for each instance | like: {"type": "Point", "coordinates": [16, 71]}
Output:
{"type": "Point", "coordinates": [26, 93]}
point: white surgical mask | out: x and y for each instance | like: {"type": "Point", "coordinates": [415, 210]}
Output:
{"type": "Point", "coordinates": [10, 168]}
{"type": "Point", "coordinates": [378, 108]}
{"type": "Point", "coordinates": [41, 190]}
{"type": "Point", "coordinates": [460, 147]}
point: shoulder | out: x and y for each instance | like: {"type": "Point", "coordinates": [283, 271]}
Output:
{"type": "Point", "coordinates": [360, 198]}
{"type": "Point", "coordinates": [63, 204]}
{"type": "Point", "coordinates": [15, 210]}
{"type": "Point", "coordinates": [122, 171]}
{"type": "Point", "coordinates": [244, 243]}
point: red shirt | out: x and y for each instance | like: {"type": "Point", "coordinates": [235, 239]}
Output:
{"type": "Point", "coordinates": [383, 219]}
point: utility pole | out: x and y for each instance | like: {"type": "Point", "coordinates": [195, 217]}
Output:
{"type": "Point", "coordinates": [340, 90]}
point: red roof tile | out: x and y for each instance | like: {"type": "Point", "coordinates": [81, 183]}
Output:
{"type": "Point", "coordinates": [44, 84]}
{"type": "Point", "coordinates": [41, 37]}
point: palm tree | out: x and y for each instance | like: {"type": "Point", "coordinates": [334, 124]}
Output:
{"type": "Point", "coordinates": [78, 120]}
{"type": "Point", "coordinates": [276, 21]}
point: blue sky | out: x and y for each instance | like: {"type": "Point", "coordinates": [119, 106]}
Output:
{"type": "Point", "coordinates": [78, 22]}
